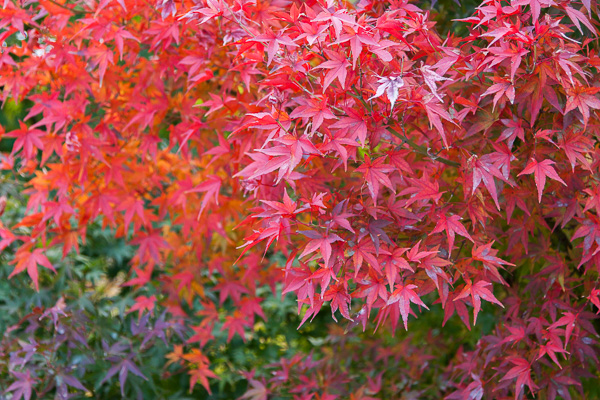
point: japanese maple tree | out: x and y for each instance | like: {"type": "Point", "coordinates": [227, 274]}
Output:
{"type": "Point", "coordinates": [348, 154]}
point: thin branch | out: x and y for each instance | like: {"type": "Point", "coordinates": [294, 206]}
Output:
{"type": "Point", "coordinates": [422, 150]}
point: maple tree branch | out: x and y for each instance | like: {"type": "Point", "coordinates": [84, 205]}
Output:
{"type": "Point", "coordinates": [358, 96]}
{"type": "Point", "coordinates": [422, 150]}
{"type": "Point", "coordinates": [459, 250]}
{"type": "Point", "coordinates": [238, 21]}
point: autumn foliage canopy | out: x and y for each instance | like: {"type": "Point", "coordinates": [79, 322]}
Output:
{"type": "Point", "coordinates": [356, 157]}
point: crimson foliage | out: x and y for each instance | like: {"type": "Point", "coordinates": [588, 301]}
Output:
{"type": "Point", "coordinates": [394, 167]}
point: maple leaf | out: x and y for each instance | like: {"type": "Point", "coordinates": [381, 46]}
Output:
{"type": "Point", "coordinates": [69, 380]}
{"type": "Point", "coordinates": [340, 299]}
{"type": "Point", "coordinates": [211, 187]}
{"type": "Point", "coordinates": [568, 321]}
{"type": "Point", "coordinates": [22, 388]}
{"type": "Point", "coordinates": [473, 391]}
{"type": "Point", "coordinates": [583, 99]}
{"type": "Point", "coordinates": [271, 233]}
{"type": "Point", "coordinates": [143, 303]}
{"type": "Point", "coordinates": [375, 230]}
{"type": "Point", "coordinates": [28, 140]}
{"type": "Point", "coordinates": [431, 77]}
{"type": "Point", "coordinates": [501, 32]}
{"type": "Point", "coordinates": [325, 275]}
{"type": "Point", "coordinates": [132, 206]}
{"type": "Point", "coordinates": [201, 374]}
{"type": "Point", "coordinates": [514, 129]}
{"type": "Point", "coordinates": [356, 39]}
{"type": "Point", "coordinates": [521, 371]}
{"type": "Point", "coordinates": [315, 109]}
{"type": "Point", "coordinates": [576, 145]}
{"type": "Point", "coordinates": [340, 217]}
{"type": "Point", "coordinates": [450, 306]}
{"type": "Point", "coordinates": [320, 241]}
{"type": "Point", "coordinates": [29, 260]}
{"type": "Point", "coordinates": [435, 114]}
{"type": "Point", "coordinates": [485, 172]}
{"type": "Point", "coordinates": [311, 32]}
{"type": "Point", "coordinates": [404, 295]}
{"type": "Point", "coordinates": [487, 256]}
{"type": "Point", "coordinates": [394, 261]}
{"type": "Point", "coordinates": [452, 226]}
{"type": "Point", "coordinates": [299, 280]}
{"type": "Point", "coordinates": [502, 87]}
{"type": "Point", "coordinates": [373, 289]}
{"type": "Point", "coordinates": [535, 6]}
{"type": "Point", "coordinates": [216, 102]}
{"type": "Point", "coordinates": [415, 254]}
{"type": "Point", "coordinates": [150, 245]}
{"type": "Point", "coordinates": [119, 36]}
{"type": "Point", "coordinates": [257, 391]}
{"type": "Point", "coordinates": [477, 292]}
{"type": "Point", "coordinates": [389, 85]}
{"type": "Point", "coordinates": [422, 189]}
{"type": "Point", "coordinates": [579, 18]}
{"type": "Point", "coordinates": [375, 173]}
{"type": "Point", "coordinates": [215, 9]}
{"type": "Point", "coordinates": [353, 123]}
{"type": "Point", "coordinates": [509, 51]}
{"type": "Point", "coordinates": [101, 57]}
{"type": "Point", "coordinates": [273, 41]}
{"type": "Point", "coordinates": [288, 208]}
{"type": "Point", "coordinates": [517, 333]}
{"type": "Point", "coordinates": [551, 349]}
{"type": "Point", "coordinates": [432, 264]}
{"type": "Point", "coordinates": [338, 68]}
{"type": "Point", "coordinates": [123, 368]}
{"type": "Point", "coordinates": [541, 170]}
{"type": "Point", "coordinates": [337, 19]}
{"type": "Point", "coordinates": [235, 324]}
{"type": "Point", "coordinates": [365, 250]}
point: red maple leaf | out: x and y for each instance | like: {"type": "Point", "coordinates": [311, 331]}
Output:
{"type": "Point", "coordinates": [404, 295]}
{"type": "Point", "coordinates": [376, 174]}
{"type": "Point", "coordinates": [483, 172]}
{"type": "Point", "coordinates": [143, 303]}
{"type": "Point", "coordinates": [452, 226]}
{"type": "Point", "coordinates": [29, 261]}
{"type": "Point", "coordinates": [28, 139]}
{"type": "Point", "coordinates": [273, 41]}
{"type": "Point", "coordinates": [201, 373]}
{"type": "Point", "coordinates": [551, 349]}
{"type": "Point", "coordinates": [541, 170]}
{"type": "Point", "coordinates": [317, 110]}
{"type": "Point", "coordinates": [477, 292]}
{"type": "Point", "coordinates": [320, 241]}
{"type": "Point", "coordinates": [211, 187]}
{"type": "Point", "coordinates": [354, 123]}
{"type": "Point", "coordinates": [521, 371]}
{"type": "Point", "coordinates": [338, 68]}
{"type": "Point", "coordinates": [340, 299]}
{"type": "Point", "coordinates": [501, 87]}
{"type": "Point", "coordinates": [356, 39]}
{"type": "Point", "coordinates": [582, 98]}
{"type": "Point", "coordinates": [576, 146]}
